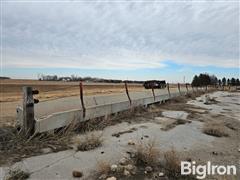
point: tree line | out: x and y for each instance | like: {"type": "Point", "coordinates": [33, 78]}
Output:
{"type": "Point", "coordinates": [42, 77]}
{"type": "Point", "coordinates": [205, 79]}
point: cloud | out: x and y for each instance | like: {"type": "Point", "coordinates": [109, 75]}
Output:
{"type": "Point", "coordinates": [120, 35]}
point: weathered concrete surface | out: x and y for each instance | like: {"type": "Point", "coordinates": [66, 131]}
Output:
{"type": "Point", "coordinates": [60, 165]}
{"type": "Point", "coordinates": [227, 103]}
{"type": "Point", "coordinates": [46, 108]}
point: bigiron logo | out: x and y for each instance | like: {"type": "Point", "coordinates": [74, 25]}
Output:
{"type": "Point", "coordinates": [201, 171]}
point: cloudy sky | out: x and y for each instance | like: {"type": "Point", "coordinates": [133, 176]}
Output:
{"type": "Point", "coordinates": [121, 39]}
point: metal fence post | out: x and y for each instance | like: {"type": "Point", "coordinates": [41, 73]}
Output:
{"type": "Point", "coordinates": [179, 88]}
{"type": "Point", "coordinates": [28, 110]}
{"type": "Point", "coordinates": [153, 94]}
{"type": "Point", "coordinates": [187, 87]}
{"type": "Point", "coordinates": [81, 99]}
{"type": "Point", "coordinates": [169, 94]}
{"type": "Point", "coordinates": [126, 88]}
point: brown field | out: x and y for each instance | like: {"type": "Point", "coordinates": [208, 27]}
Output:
{"type": "Point", "coordinates": [11, 90]}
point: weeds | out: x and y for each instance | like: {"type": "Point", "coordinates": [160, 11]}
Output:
{"type": "Point", "coordinates": [89, 141]}
{"type": "Point", "coordinates": [214, 129]}
{"type": "Point", "coordinates": [147, 154]}
{"type": "Point", "coordinates": [17, 174]}
{"type": "Point", "coordinates": [174, 124]}
{"type": "Point", "coordinates": [13, 146]}
{"type": "Point", "coordinates": [103, 167]}
{"type": "Point", "coordinates": [172, 163]}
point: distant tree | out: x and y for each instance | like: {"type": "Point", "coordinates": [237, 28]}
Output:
{"type": "Point", "coordinates": [214, 80]}
{"type": "Point", "coordinates": [3, 77]}
{"type": "Point", "coordinates": [228, 82]}
{"type": "Point", "coordinates": [204, 79]}
{"type": "Point", "coordinates": [233, 81]}
{"type": "Point", "coordinates": [195, 81]}
{"type": "Point", "coordinates": [224, 81]}
{"type": "Point", "coordinates": [219, 82]}
{"type": "Point", "coordinates": [237, 82]}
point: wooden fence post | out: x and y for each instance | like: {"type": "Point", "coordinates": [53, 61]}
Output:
{"type": "Point", "coordinates": [179, 88]}
{"type": "Point", "coordinates": [126, 88]}
{"type": "Point", "coordinates": [169, 94]}
{"type": "Point", "coordinates": [81, 99]}
{"type": "Point", "coordinates": [28, 110]}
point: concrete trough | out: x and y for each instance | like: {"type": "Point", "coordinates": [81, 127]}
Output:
{"type": "Point", "coordinates": [58, 120]}
{"type": "Point", "coordinates": [100, 106]}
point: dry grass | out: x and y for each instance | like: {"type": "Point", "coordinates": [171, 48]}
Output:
{"type": "Point", "coordinates": [147, 154]}
{"type": "Point", "coordinates": [14, 147]}
{"type": "Point", "coordinates": [89, 141]}
{"type": "Point", "coordinates": [124, 132]}
{"type": "Point", "coordinates": [215, 129]}
{"type": "Point", "coordinates": [103, 167]}
{"type": "Point", "coordinates": [17, 174]}
{"type": "Point", "coordinates": [174, 124]}
{"type": "Point", "coordinates": [172, 163]}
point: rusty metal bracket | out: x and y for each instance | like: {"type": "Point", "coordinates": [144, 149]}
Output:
{"type": "Point", "coordinates": [153, 94]}
{"type": "Point", "coordinates": [179, 88]}
{"type": "Point", "coordinates": [126, 88]}
{"type": "Point", "coordinates": [169, 94]}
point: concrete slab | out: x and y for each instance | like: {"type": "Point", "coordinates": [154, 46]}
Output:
{"type": "Point", "coordinates": [60, 165]}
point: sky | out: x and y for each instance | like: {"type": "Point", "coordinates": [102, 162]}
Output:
{"type": "Point", "coordinates": [120, 39]}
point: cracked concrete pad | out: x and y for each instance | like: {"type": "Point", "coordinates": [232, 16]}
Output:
{"type": "Point", "coordinates": [226, 101]}
{"type": "Point", "coordinates": [60, 165]}
{"type": "Point", "coordinates": [37, 163]}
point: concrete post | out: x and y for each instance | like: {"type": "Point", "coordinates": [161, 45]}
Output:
{"type": "Point", "coordinates": [28, 110]}
{"type": "Point", "coordinates": [126, 88]}
{"type": "Point", "coordinates": [179, 88]}
{"type": "Point", "coordinates": [169, 94]}
{"type": "Point", "coordinates": [81, 99]}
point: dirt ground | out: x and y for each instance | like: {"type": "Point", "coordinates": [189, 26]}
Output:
{"type": "Point", "coordinates": [179, 123]}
